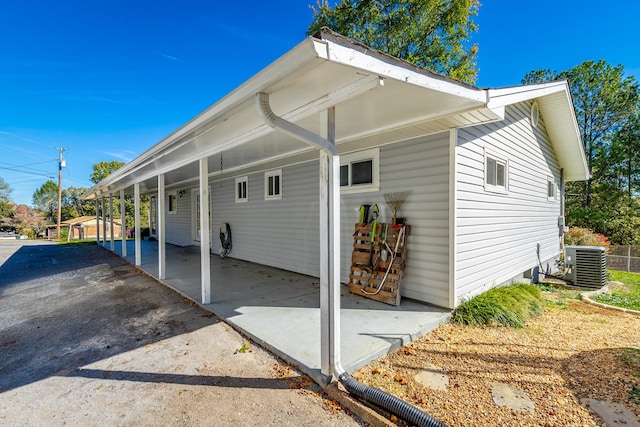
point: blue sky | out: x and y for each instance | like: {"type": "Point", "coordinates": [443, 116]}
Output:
{"type": "Point", "coordinates": [108, 79]}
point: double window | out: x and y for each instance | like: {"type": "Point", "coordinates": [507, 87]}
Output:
{"type": "Point", "coordinates": [273, 184]}
{"type": "Point", "coordinates": [360, 171]}
{"type": "Point", "coordinates": [242, 189]}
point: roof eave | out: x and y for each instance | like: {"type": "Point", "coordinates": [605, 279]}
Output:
{"type": "Point", "coordinates": [564, 134]}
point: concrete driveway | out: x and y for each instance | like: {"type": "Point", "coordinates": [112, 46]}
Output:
{"type": "Point", "coordinates": [85, 339]}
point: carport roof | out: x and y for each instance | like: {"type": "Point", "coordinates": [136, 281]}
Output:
{"type": "Point", "coordinates": [377, 99]}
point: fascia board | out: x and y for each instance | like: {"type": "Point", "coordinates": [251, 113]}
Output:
{"type": "Point", "coordinates": [352, 57]}
{"type": "Point", "coordinates": [511, 95]}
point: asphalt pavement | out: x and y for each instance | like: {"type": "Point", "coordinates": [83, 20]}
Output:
{"type": "Point", "coordinates": [86, 339]}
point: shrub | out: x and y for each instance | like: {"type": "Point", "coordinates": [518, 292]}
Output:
{"type": "Point", "coordinates": [578, 236]}
{"type": "Point", "coordinates": [508, 306]}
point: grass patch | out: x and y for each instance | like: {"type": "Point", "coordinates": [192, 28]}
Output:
{"type": "Point", "coordinates": [77, 242]}
{"type": "Point", "coordinates": [508, 306]}
{"type": "Point", "coordinates": [625, 296]}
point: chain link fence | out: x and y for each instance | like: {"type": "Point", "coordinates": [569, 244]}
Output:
{"type": "Point", "coordinates": [624, 258]}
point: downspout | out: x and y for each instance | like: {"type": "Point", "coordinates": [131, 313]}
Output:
{"type": "Point", "coordinates": [373, 395]}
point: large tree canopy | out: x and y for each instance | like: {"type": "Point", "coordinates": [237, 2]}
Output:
{"type": "Point", "coordinates": [607, 106]}
{"type": "Point", "coordinates": [432, 34]}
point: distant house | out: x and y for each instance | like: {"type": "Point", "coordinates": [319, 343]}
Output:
{"type": "Point", "coordinates": [84, 227]}
{"type": "Point", "coordinates": [485, 169]}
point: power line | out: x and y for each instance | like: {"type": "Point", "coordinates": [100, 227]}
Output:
{"type": "Point", "coordinates": [29, 173]}
{"type": "Point", "coordinates": [22, 182]}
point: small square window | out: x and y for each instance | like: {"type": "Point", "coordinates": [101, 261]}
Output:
{"type": "Point", "coordinates": [173, 203]}
{"type": "Point", "coordinates": [242, 189]}
{"type": "Point", "coordinates": [496, 174]}
{"type": "Point", "coordinates": [362, 172]}
{"type": "Point", "coordinates": [273, 185]}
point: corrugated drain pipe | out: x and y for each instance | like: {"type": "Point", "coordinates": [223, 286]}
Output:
{"type": "Point", "coordinates": [375, 396]}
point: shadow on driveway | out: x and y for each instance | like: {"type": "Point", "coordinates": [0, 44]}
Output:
{"type": "Point", "coordinates": [63, 307]}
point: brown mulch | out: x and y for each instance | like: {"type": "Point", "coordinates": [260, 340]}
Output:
{"type": "Point", "coordinates": [571, 351]}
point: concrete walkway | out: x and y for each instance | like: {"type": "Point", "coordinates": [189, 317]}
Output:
{"type": "Point", "coordinates": [280, 310]}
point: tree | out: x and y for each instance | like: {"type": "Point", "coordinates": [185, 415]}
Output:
{"type": "Point", "coordinates": [607, 106]}
{"type": "Point", "coordinates": [432, 34]}
{"type": "Point", "coordinates": [45, 199]}
{"type": "Point", "coordinates": [72, 204]}
{"type": "Point", "coordinates": [25, 220]}
{"type": "Point", "coordinates": [5, 201]}
{"type": "Point", "coordinates": [103, 169]}
{"type": "Point", "coordinates": [604, 101]}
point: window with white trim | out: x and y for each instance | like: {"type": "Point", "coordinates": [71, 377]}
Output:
{"type": "Point", "coordinates": [172, 199]}
{"type": "Point", "coordinates": [360, 171]}
{"type": "Point", "coordinates": [496, 174]}
{"type": "Point", "coordinates": [552, 189]}
{"type": "Point", "coordinates": [242, 189]}
{"type": "Point", "coordinates": [273, 184]}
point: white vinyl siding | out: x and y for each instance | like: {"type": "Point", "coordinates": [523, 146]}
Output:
{"type": "Point", "coordinates": [178, 228]}
{"type": "Point", "coordinates": [282, 234]}
{"type": "Point", "coordinates": [285, 234]}
{"type": "Point", "coordinates": [421, 166]}
{"type": "Point", "coordinates": [497, 233]}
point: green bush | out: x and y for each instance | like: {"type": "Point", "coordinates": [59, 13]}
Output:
{"type": "Point", "coordinates": [508, 306]}
{"type": "Point", "coordinates": [578, 236]}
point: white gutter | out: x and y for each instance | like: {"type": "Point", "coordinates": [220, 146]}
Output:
{"type": "Point", "coordinates": [329, 206]}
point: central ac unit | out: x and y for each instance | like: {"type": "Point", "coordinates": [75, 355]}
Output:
{"type": "Point", "coordinates": [586, 266]}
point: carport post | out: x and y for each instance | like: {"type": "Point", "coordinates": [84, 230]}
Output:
{"type": "Point", "coordinates": [136, 208]}
{"type": "Point", "coordinates": [104, 225]}
{"type": "Point", "coordinates": [97, 221]}
{"type": "Point", "coordinates": [205, 261]}
{"type": "Point", "coordinates": [162, 268]}
{"type": "Point", "coordinates": [111, 239]}
{"type": "Point", "coordinates": [329, 207]}
{"type": "Point", "coordinates": [123, 225]}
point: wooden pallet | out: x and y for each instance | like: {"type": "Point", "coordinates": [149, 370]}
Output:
{"type": "Point", "coordinates": [364, 278]}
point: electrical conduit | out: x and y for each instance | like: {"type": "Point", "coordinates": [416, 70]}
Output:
{"type": "Point", "coordinates": [375, 396]}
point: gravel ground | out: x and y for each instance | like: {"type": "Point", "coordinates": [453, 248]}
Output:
{"type": "Point", "coordinates": [571, 351]}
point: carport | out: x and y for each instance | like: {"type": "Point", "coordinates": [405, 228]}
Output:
{"type": "Point", "coordinates": [326, 91]}
{"type": "Point", "coordinates": [281, 310]}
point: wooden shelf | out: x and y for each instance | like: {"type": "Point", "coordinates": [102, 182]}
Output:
{"type": "Point", "coordinates": [368, 268]}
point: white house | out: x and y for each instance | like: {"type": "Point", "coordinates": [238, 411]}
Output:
{"type": "Point", "coordinates": [486, 170]}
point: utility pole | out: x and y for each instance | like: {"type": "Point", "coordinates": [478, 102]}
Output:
{"type": "Point", "coordinates": [61, 164]}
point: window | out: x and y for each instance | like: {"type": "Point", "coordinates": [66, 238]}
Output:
{"type": "Point", "coordinates": [496, 174]}
{"type": "Point", "coordinates": [360, 171]}
{"type": "Point", "coordinates": [195, 214]}
{"type": "Point", "coordinates": [273, 184]}
{"type": "Point", "coordinates": [173, 203]}
{"type": "Point", "coordinates": [153, 216]}
{"type": "Point", "coordinates": [242, 193]}
{"type": "Point", "coordinates": [552, 189]}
